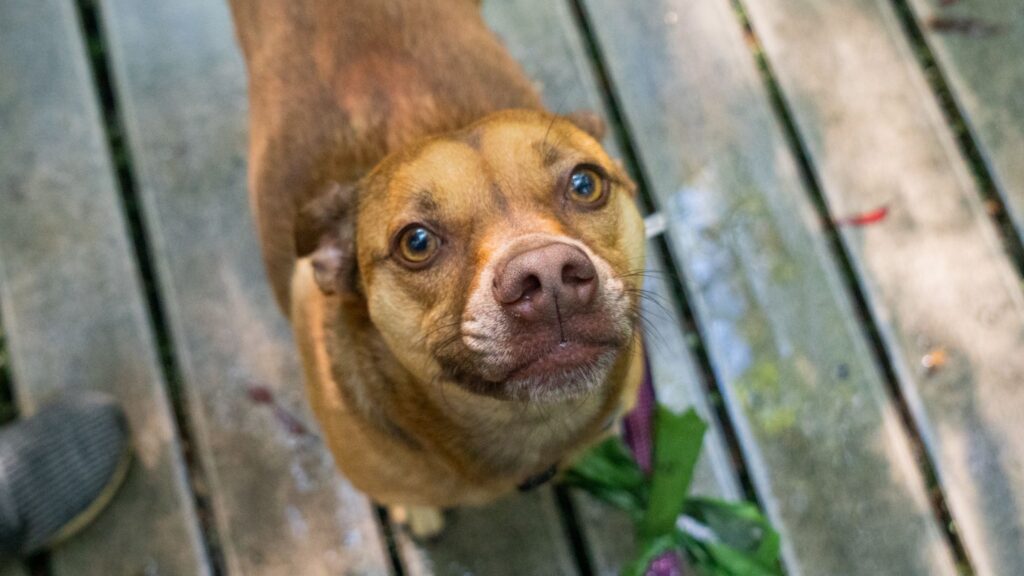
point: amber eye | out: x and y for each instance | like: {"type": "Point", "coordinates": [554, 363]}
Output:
{"type": "Point", "coordinates": [417, 245]}
{"type": "Point", "coordinates": [586, 186]}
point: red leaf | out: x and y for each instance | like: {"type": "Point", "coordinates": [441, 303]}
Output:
{"type": "Point", "coordinates": [260, 394]}
{"type": "Point", "coordinates": [864, 219]}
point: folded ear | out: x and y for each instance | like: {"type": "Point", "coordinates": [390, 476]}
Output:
{"type": "Point", "coordinates": [588, 121]}
{"type": "Point", "coordinates": [325, 231]}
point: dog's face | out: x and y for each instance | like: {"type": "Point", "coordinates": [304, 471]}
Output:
{"type": "Point", "coordinates": [504, 258]}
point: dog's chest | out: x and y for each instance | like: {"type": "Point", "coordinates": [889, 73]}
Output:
{"type": "Point", "coordinates": [522, 440]}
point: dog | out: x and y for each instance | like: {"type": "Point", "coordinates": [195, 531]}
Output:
{"type": "Point", "coordinates": [460, 266]}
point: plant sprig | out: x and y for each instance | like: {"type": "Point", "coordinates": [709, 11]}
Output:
{"type": "Point", "coordinates": [718, 538]}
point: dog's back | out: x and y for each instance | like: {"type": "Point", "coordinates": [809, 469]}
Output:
{"type": "Point", "coordinates": [335, 86]}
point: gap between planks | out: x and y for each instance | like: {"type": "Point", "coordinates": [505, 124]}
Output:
{"type": "Point", "coordinates": [656, 224]}
{"type": "Point", "coordinates": [934, 274]}
{"type": "Point", "coordinates": [842, 256]}
{"type": "Point", "coordinates": [736, 149]}
{"type": "Point", "coordinates": [71, 293]}
{"type": "Point", "coordinates": [124, 171]}
{"type": "Point", "coordinates": [996, 204]}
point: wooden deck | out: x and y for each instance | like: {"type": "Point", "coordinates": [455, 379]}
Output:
{"type": "Point", "coordinates": [841, 281]}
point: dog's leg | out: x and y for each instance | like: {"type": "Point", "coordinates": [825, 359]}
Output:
{"type": "Point", "coordinates": [424, 522]}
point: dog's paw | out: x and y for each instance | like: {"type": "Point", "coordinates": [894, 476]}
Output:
{"type": "Point", "coordinates": [423, 522]}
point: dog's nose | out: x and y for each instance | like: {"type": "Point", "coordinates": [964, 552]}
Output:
{"type": "Point", "coordinates": [546, 283]}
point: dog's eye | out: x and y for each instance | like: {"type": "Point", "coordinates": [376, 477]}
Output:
{"type": "Point", "coordinates": [416, 244]}
{"type": "Point", "coordinates": [586, 186]}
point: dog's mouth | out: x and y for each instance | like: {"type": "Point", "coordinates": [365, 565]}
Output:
{"type": "Point", "coordinates": [564, 358]}
{"type": "Point", "coordinates": [538, 368]}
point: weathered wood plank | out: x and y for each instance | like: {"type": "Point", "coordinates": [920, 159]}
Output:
{"type": "Point", "coordinates": [979, 44]}
{"type": "Point", "coordinates": [823, 443]}
{"type": "Point", "coordinates": [543, 36]}
{"type": "Point", "coordinates": [71, 295]}
{"type": "Point", "coordinates": [279, 504]}
{"type": "Point", "coordinates": [520, 534]}
{"type": "Point", "coordinates": [878, 138]}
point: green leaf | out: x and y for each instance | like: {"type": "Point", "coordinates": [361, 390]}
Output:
{"type": "Point", "coordinates": [676, 449]}
{"type": "Point", "coordinates": [711, 558]}
{"type": "Point", "coordinates": [648, 552]}
{"type": "Point", "coordinates": [697, 556]}
{"type": "Point", "coordinates": [740, 526]}
{"type": "Point", "coordinates": [741, 542]}
{"type": "Point", "coordinates": [731, 562]}
{"type": "Point", "coordinates": [609, 473]}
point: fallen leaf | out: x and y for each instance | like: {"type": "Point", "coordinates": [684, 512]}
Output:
{"type": "Point", "coordinates": [864, 219]}
{"type": "Point", "coordinates": [260, 394]}
{"type": "Point", "coordinates": [963, 25]}
{"type": "Point", "coordinates": [263, 395]}
{"type": "Point", "coordinates": [934, 360]}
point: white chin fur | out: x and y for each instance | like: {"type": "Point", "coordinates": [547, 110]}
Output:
{"type": "Point", "coordinates": [564, 384]}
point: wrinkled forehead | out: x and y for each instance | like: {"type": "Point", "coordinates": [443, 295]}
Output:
{"type": "Point", "coordinates": [522, 147]}
{"type": "Point", "coordinates": [497, 165]}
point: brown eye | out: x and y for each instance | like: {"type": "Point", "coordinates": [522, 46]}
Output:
{"type": "Point", "coordinates": [586, 186]}
{"type": "Point", "coordinates": [417, 245]}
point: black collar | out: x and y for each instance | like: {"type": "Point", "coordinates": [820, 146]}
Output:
{"type": "Point", "coordinates": [538, 480]}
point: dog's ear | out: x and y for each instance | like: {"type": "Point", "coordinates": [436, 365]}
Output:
{"type": "Point", "coordinates": [588, 121]}
{"type": "Point", "coordinates": [325, 231]}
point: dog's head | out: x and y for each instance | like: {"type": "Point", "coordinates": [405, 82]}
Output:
{"type": "Point", "coordinates": [503, 257]}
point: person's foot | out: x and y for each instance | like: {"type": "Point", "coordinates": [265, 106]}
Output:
{"type": "Point", "coordinates": [58, 469]}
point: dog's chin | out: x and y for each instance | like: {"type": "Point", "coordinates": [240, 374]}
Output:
{"type": "Point", "coordinates": [568, 371]}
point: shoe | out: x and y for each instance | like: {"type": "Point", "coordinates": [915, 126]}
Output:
{"type": "Point", "coordinates": [58, 469]}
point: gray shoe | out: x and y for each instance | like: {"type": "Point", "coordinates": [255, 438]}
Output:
{"type": "Point", "coordinates": [58, 469]}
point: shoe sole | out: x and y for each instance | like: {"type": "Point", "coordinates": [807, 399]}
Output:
{"type": "Point", "coordinates": [98, 505]}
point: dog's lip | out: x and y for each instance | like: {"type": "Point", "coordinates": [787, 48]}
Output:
{"type": "Point", "coordinates": [560, 358]}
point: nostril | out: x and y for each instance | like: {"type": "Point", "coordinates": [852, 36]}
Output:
{"type": "Point", "coordinates": [530, 285]}
{"type": "Point", "coordinates": [573, 274]}
{"type": "Point", "coordinates": [579, 283]}
{"type": "Point", "coordinates": [512, 289]}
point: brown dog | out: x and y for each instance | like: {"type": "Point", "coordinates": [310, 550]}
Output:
{"type": "Point", "coordinates": [459, 265]}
